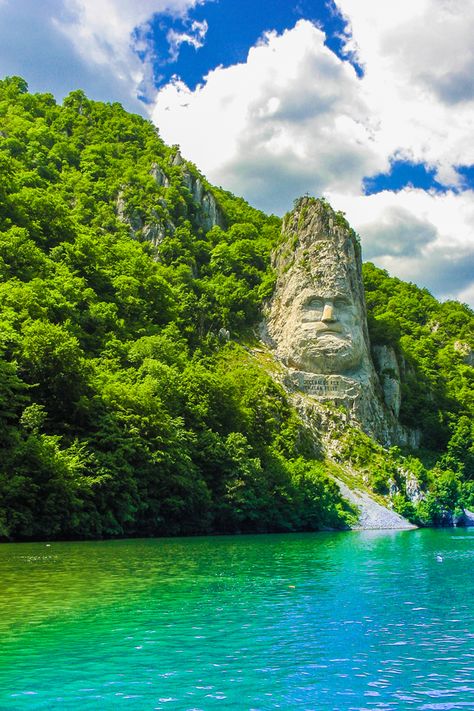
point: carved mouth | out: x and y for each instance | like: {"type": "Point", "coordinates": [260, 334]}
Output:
{"type": "Point", "coordinates": [323, 328]}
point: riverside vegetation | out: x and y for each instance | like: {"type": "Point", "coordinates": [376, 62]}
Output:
{"type": "Point", "coordinates": [125, 408]}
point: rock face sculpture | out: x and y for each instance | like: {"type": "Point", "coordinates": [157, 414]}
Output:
{"type": "Point", "coordinates": [317, 321]}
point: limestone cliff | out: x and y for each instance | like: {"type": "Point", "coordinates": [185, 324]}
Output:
{"type": "Point", "coordinates": [202, 209]}
{"type": "Point", "coordinates": [316, 324]}
{"type": "Point", "coordinates": [209, 214]}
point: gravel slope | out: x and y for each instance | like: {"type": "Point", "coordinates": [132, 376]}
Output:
{"type": "Point", "coordinates": [372, 514]}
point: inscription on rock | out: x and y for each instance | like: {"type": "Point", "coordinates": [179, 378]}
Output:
{"type": "Point", "coordinates": [325, 387]}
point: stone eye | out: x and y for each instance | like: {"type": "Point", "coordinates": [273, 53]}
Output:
{"type": "Point", "coordinates": [315, 304]}
{"type": "Point", "coordinates": [338, 303]}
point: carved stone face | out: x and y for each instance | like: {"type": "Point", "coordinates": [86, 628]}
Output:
{"type": "Point", "coordinates": [316, 320]}
{"type": "Point", "coordinates": [323, 333]}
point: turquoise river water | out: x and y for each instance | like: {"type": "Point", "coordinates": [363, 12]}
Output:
{"type": "Point", "coordinates": [337, 621]}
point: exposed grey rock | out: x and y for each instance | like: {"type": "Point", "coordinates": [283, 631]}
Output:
{"type": "Point", "coordinates": [412, 488]}
{"type": "Point", "coordinates": [223, 334]}
{"type": "Point", "coordinates": [466, 351]}
{"type": "Point", "coordinates": [326, 429]}
{"type": "Point", "coordinates": [389, 374]}
{"type": "Point", "coordinates": [372, 515]}
{"type": "Point", "coordinates": [194, 186]}
{"type": "Point", "coordinates": [316, 321]}
{"type": "Point", "coordinates": [133, 219]}
{"type": "Point", "coordinates": [209, 212]}
{"type": "Point", "coordinates": [212, 214]}
{"type": "Point", "coordinates": [154, 232]}
{"type": "Point", "coordinates": [160, 176]}
{"type": "Point", "coordinates": [120, 207]}
{"type": "Point", "coordinates": [177, 159]}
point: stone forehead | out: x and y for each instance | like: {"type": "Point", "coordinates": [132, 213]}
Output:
{"type": "Point", "coordinates": [329, 267]}
{"type": "Point", "coordinates": [337, 274]}
{"type": "Point", "coordinates": [307, 286]}
{"type": "Point", "coordinates": [329, 286]}
{"type": "Point", "coordinates": [324, 251]}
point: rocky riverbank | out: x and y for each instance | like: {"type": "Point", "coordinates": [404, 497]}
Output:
{"type": "Point", "coordinates": [372, 514]}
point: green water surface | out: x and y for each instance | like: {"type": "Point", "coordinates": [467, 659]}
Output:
{"type": "Point", "coordinates": [349, 621]}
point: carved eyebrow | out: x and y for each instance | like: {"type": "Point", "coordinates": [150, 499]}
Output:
{"type": "Point", "coordinates": [321, 299]}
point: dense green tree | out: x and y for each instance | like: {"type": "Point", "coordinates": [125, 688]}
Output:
{"type": "Point", "coordinates": [123, 408]}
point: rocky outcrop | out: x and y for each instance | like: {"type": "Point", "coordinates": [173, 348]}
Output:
{"type": "Point", "coordinates": [212, 215]}
{"type": "Point", "coordinates": [372, 515]}
{"type": "Point", "coordinates": [206, 213]}
{"type": "Point", "coordinates": [154, 230]}
{"type": "Point", "coordinates": [316, 323]}
{"type": "Point", "coordinates": [131, 218]}
{"type": "Point", "coordinates": [388, 370]}
{"type": "Point", "coordinates": [327, 429]}
{"type": "Point", "coordinates": [160, 176]}
{"type": "Point", "coordinates": [413, 489]}
{"type": "Point", "coordinates": [209, 214]}
{"type": "Point", "coordinates": [465, 350]}
{"type": "Point", "coordinates": [177, 158]}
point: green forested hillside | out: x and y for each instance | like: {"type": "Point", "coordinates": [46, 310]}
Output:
{"type": "Point", "coordinates": [434, 343]}
{"type": "Point", "coordinates": [123, 412]}
{"type": "Point", "coordinates": [125, 409]}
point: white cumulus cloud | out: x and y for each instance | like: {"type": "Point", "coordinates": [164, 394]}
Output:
{"type": "Point", "coordinates": [295, 118]}
{"type": "Point", "coordinates": [420, 236]}
{"type": "Point", "coordinates": [101, 46]}
{"type": "Point", "coordinates": [291, 116]}
{"type": "Point", "coordinates": [108, 33]}
{"type": "Point", "coordinates": [418, 58]}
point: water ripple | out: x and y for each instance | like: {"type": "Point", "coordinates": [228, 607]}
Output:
{"type": "Point", "coordinates": [336, 622]}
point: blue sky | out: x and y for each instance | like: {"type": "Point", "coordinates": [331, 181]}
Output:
{"type": "Point", "coordinates": [232, 28]}
{"type": "Point", "coordinates": [369, 103]}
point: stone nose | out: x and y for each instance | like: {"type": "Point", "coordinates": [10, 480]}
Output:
{"type": "Point", "coordinates": [328, 314]}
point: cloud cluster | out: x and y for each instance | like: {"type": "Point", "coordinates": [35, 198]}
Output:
{"type": "Point", "coordinates": [101, 46]}
{"type": "Point", "coordinates": [195, 36]}
{"type": "Point", "coordinates": [291, 114]}
{"type": "Point", "coordinates": [296, 118]}
{"type": "Point", "coordinates": [420, 236]}
{"type": "Point", "coordinates": [418, 57]}
{"type": "Point", "coordinates": [114, 34]}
